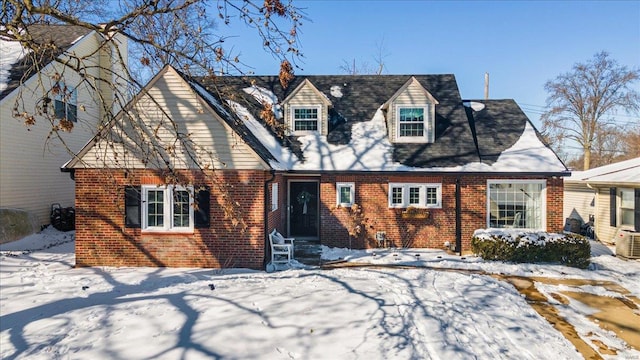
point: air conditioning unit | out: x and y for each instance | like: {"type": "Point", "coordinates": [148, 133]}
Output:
{"type": "Point", "coordinates": [628, 244]}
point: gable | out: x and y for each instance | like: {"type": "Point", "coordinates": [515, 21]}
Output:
{"type": "Point", "coordinates": [198, 137]}
{"type": "Point", "coordinates": [306, 97]}
{"type": "Point", "coordinates": [63, 36]}
{"type": "Point", "coordinates": [412, 95]}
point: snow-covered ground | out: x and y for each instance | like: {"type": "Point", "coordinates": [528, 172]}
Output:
{"type": "Point", "coordinates": [50, 310]}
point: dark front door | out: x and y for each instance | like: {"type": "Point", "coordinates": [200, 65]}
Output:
{"type": "Point", "coordinates": [303, 209]}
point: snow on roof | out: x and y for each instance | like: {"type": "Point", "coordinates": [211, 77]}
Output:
{"type": "Point", "coordinates": [528, 154]}
{"type": "Point", "coordinates": [284, 157]}
{"type": "Point", "coordinates": [476, 106]}
{"type": "Point", "coordinates": [627, 171]}
{"type": "Point", "coordinates": [336, 91]}
{"type": "Point", "coordinates": [11, 52]}
{"type": "Point", "coordinates": [371, 150]}
{"type": "Point", "coordinates": [213, 101]}
{"type": "Point", "coordinates": [77, 39]}
{"type": "Point", "coordinates": [263, 96]}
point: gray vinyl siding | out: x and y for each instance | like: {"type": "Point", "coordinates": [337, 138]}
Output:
{"type": "Point", "coordinates": [307, 96]}
{"type": "Point", "coordinates": [579, 201]}
{"type": "Point", "coordinates": [413, 95]}
{"type": "Point", "coordinates": [30, 176]}
{"type": "Point", "coordinates": [214, 144]}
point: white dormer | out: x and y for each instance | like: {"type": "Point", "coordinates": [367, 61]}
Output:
{"type": "Point", "coordinates": [411, 114]}
{"type": "Point", "coordinates": [306, 110]}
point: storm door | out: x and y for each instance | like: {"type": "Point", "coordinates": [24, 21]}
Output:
{"type": "Point", "coordinates": [304, 212]}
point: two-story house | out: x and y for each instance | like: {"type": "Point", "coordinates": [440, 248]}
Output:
{"type": "Point", "coordinates": [425, 167]}
{"type": "Point", "coordinates": [31, 153]}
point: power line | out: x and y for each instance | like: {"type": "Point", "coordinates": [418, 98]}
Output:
{"type": "Point", "coordinates": [632, 121]}
{"type": "Point", "coordinates": [542, 110]}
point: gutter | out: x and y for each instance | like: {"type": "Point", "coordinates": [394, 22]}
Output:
{"type": "Point", "coordinates": [449, 173]}
{"type": "Point", "coordinates": [266, 216]}
{"type": "Point", "coordinates": [72, 172]}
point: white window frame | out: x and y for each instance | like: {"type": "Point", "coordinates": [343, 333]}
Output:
{"type": "Point", "coordinates": [167, 209]}
{"type": "Point", "coordinates": [543, 198]}
{"type": "Point", "coordinates": [274, 196]}
{"type": "Point", "coordinates": [423, 195]}
{"type": "Point", "coordinates": [293, 119]}
{"type": "Point", "coordinates": [352, 193]}
{"type": "Point", "coordinates": [621, 206]}
{"type": "Point", "coordinates": [427, 120]}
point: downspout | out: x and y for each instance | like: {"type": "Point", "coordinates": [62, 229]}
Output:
{"type": "Point", "coordinates": [458, 248]}
{"type": "Point", "coordinates": [266, 216]}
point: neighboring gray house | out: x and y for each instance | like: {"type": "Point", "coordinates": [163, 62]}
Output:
{"type": "Point", "coordinates": [610, 193]}
{"type": "Point", "coordinates": [30, 177]}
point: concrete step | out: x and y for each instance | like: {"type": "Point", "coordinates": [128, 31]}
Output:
{"type": "Point", "coordinates": [307, 252]}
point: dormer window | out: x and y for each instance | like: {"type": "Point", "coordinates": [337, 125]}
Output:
{"type": "Point", "coordinates": [411, 122]}
{"type": "Point", "coordinates": [305, 119]}
{"type": "Point", "coordinates": [306, 110]}
{"type": "Point", "coordinates": [411, 114]}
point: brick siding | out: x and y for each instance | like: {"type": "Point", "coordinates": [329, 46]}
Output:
{"type": "Point", "coordinates": [103, 240]}
{"type": "Point", "coordinates": [440, 227]}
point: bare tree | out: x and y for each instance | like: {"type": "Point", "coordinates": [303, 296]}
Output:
{"type": "Point", "coordinates": [631, 142]}
{"type": "Point", "coordinates": [364, 67]}
{"type": "Point", "coordinates": [188, 34]}
{"type": "Point", "coordinates": [584, 101]}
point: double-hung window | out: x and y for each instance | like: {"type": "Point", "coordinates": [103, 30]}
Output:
{"type": "Point", "coordinates": [516, 204]}
{"type": "Point", "coordinates": [403, 195]}
{"type": "Point", "coordinates": [627, 208]}
{"type": "Point", "coordinates": [345, 194]}
{"type": "Point", "coordinates": [412, 123]}
{"type": "Point", "coordinates": [167, 208]}
{"type": "Point", "coordinates": [66, 103]}
{"type": "Point", "coordinates": [305, 118]}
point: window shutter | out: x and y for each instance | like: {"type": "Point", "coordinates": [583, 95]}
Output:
{"type": "Point", "coordinates": [132, 206]}
{"type": "Point", "coordinates": [613, 221]}
{"type": "Point", "coordinates": [201, 212]}
{"type": "Point", "coordinates": [636, 210]}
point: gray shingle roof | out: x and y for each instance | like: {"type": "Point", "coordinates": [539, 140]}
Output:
{"type": "Point", "coordinates": [498, 126]}
{"type": "Point", "coordinates": [63, 36]}
{"type": "Point", "coordinates": [362, 95]}
{"type": "Point", "coordinates": [462, 137]}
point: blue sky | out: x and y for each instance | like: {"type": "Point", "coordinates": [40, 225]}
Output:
{"type": "Point", "coordinates": [521, 44]}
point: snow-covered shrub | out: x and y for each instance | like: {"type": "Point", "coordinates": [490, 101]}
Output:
{"type": "Point", "coordinates": [529, 247]}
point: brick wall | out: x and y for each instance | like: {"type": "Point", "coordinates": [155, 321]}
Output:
{"type": "Point", "coordinates": [102, 239]}
{"type": "Point", "coordinates": [276, 219]}
{"type": "Point", "coordinates": [440, 227]}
